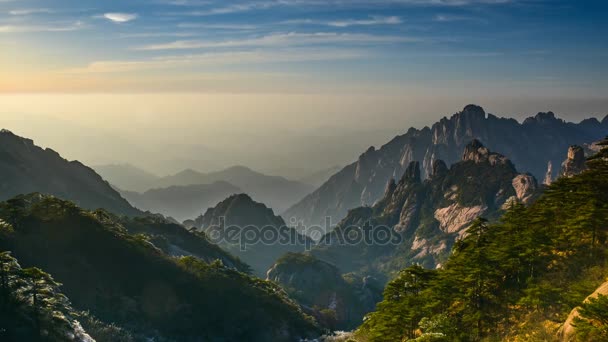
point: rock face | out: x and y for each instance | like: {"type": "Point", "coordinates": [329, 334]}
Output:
{"type": "Point", "coordinates": [248, 220]}
{"type": "Point", "coordinates": [574, 163]}
{"type": "Point", "coordinates": [26, 168]}
{"type": "Point", "coordinates": [364, 182]}
{"type": "Point", "coordinates": [430, 215]}
{"type": "Point", "coordinates": [568, 330]}
{"type": "Point", "coordinates": [321, 289]}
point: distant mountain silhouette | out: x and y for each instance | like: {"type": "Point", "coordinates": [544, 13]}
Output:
{"type": "Point", "coordinates": [27, 168]}
{"type": "Point", "coordinates": [181, 202]}
{"type": "Point", "coordinates": [127, 177]}
{"type": "Point", "coordinates": [530, 145]}
{"type": "Point", "coordinates": [277, 192]}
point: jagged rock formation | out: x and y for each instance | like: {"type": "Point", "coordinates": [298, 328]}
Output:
{"type": "Point", "coordinates": [250, 220]}
{"type": "Point", "coordinates": [530, 145]}
{"type": "Point", "coordinates": [574, 163]}
{"type": "Point", "coordinates": [429, 215]}
{"type": "Point", "coordinates": [325, 293]}
{"type": "Point", "coordinates": [27, 168]}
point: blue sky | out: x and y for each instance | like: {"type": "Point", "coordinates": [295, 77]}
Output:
{"type": "Point", "coordinates": [304, 45]}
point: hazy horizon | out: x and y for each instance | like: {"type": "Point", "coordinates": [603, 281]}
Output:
{"type": "Point", "coordinates": [287, 142]}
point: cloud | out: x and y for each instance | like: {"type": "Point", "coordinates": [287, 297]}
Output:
{"type": "Point", "coordinates": [281, 39]}
{"type": "Point", "coordinates": [450, 18]}
{"type": "Point", "coordinates": [227, 26]}
{"type": "Point", "coordinates": [219, 58]}
{"type": "Point", "coordinates": [120, 17]}
{"type": "Point", "coordinates": [262, 5]}
{"type": "Point", "coordinates": [29, 11]}
{"type": "Point", "coordinates": [41, 28]}
{"type": "Point", "coordinates": [372, 20]}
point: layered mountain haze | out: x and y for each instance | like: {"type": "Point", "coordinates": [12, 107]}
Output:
{"type": "Point", "coordinates": [127, 177]}
{"type": "Point", "coordinates": [531, 145]}
{"type": "Point", "coordinates": [197, 191]}
{"type": "Point", "coordinates": [27, 168]}
{"type": "Point", "coordinates": [181, 201]}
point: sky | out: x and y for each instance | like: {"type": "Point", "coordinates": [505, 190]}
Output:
{"type": "Point", "coordinates": [286, 86]}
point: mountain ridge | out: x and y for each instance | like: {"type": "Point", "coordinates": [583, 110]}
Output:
{"type": "Point", "coordinates": [363, 182]}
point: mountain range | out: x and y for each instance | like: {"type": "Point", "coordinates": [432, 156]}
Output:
{"type": "Point", "coordinates": [158, 193]}
{"type": "Point", "coordinates": [181, 201]}
{"type": "Point", "coordinates": [531, 145]}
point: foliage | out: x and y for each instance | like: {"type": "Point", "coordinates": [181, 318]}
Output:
{"type": "Point", "coordinates": [127, 280]}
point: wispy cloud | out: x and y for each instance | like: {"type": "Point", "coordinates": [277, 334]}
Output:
{"type": "Point", "coordinates": [450, 18]}
{"type": "Point", "coordinates": [281, 39]}
{"type": "Point", "coordinates": [224, 26]}
{"type": "Point", "coordinates": [41, 28]}
{"type": "Point", "coordinates": [262, 5]}
{"type": "Point", "coordinates": [29, 11]}
{"type": "Point", "coordinates": [220, 58]}
{"type": "Point", "coordinates": [372, 20]}
{"type": "Point", "coordinates": [120, 17]}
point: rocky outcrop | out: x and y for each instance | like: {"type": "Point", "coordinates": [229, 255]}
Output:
{"type": "Point", "coordinates": [455, 217]}
{"type": "Point", "coordinates": [568, 330]}
{"type": "Point", "coordinates": [529, 145]}
{"type": "Point", "coordinates": [526, 187]}
{"type": "Point", "coordinates": [575, 163]}
{"type": "Point", "coordinates": [549, 175]}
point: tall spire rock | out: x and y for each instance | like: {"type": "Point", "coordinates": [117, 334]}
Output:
{"type": "Point", "coordinates": [549, 176]}
{"type": "Point", "coordinates": [575, 163]}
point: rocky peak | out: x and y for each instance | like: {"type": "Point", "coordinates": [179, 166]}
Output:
{"type": "Point", "coordinates": [439, 168]}
{"type": "Point", "coordinates": [475, 151]}
{"type": "Point", "coordinates": [605, 120]}
{"type": "Point", "coordinates": [543, 118]}
{"type": "Point", "coordinates": [474, 112]}
{"type": "Point", "coordinates": [412, 173]}
{"type": "Point", "coordinates": [575, 162]}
